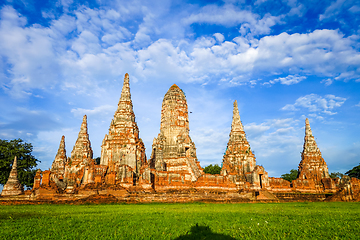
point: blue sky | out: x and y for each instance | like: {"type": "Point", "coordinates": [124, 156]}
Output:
{"type": "Point", "coordinates": [282, 61]}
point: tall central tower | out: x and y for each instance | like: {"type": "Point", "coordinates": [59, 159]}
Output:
{"type": "Point", "coordinates": [173, 150]}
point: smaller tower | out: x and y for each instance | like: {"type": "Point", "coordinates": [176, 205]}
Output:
{"type": "Point", "coordinates": [58, 166]}
{"type": "Point", "coordinates": [238, 158]}
{"type": "Point", "coordinates": [239, 161]}
{"type": "Point", "coordinates": [312, 165]}
{"type": "Point", "coordinates": [81, 156]}
{"type": "Point", "coordinates": [13, 186]}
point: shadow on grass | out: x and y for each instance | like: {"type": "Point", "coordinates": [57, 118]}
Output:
{"type": "Point", "coordinates": [16, 216]}
{"type": "Point", "coordinates": [203, 232]}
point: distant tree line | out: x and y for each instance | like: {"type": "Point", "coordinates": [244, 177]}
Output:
{"type": "Point", "coordinates": [212, 169]}
{"type": "Point", "coordinates": [355, 172]}
{"type": "Point", "coordinates": [27, 163]}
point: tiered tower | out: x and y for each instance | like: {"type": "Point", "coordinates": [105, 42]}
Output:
{"type": "Point", "coordinates": [13, 186]}
{"type": "Point", "coordinates": [81, 156]}
{"type": "Point", "coordinates": [122, 149]}
{"type": "Point", "coordinates": [173, 150]}
{"type": "Point", "coordinates": [58, 166]}
{"type": "Point", "coordinates": [312, 165]}
{"type": "Point", "coordinates": [238, 158]}
{"type": "Point", "coordinates": [239, 161]}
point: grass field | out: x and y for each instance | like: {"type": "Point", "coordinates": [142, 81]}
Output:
{"type": "Point", "coordinates": [182, 221]}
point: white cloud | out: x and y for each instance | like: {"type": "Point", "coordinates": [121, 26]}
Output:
{"type": "Point", "coordinates": [332, 10]}
{"type": "Point", "coordinates": [229, 15]}
{"type": "Point", "coordinates": [354, 9]}
{"type": "Point", "coordinates": [88, 49]}
{"type": "Point", "coordinates": [358, 105]}
{"type": "Point", "coordinates": [288, 80]}
{"type": "Point", "coordinates": [316, 104]}
{"type": "Point", "coordinates": [273, 139]}
{"type": "Point", "coordinates": [219, 37]}
{"type": "Point", "coordinates": [327, 82]}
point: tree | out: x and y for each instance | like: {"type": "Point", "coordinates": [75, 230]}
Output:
{"type": "Point", "coordinates": [26, 162]}
{"type": "Point", "coordinates": [212, 169]}
{"type": "Point", "coordinates": [290, 176]}
{"type": "Point", "coordinates": [336, 175]}
{"type": "Point", "coordinates": [355, 172]}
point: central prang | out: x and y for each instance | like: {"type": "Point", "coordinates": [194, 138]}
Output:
{"type": "Point", "coordinates": [173, 150]}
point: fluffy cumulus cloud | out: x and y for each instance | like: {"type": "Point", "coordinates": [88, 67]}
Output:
{"type": "Point", "coordinates": [228, 15]}
{"type": "Point", "coordinates": [316, 104]}
{"type": "Point", "coordinates": [276, 143]}
{"type": "Point", "coordinates": [70, 60]}
{"type": "Point", "coordinates": [288, 80]}
{"type": "Point", "coordinates": [86, 49]}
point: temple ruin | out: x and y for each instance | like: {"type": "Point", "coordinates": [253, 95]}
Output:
{"type": "Point", "coordinates": [173, 172]}
{"type": "Point", "coordinates": [13, 186]}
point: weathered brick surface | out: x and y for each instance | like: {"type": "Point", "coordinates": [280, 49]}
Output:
{"type": "Point", "coordinates": [279, 185]}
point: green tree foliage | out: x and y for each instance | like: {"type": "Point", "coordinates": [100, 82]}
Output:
{"type": "Point", "coordinates": [212, 169]}
{"type": "Point", "coordinates": [290, 176]}
{"type": "Point", "coordinates": [355, 172]}
{"type": "Point", "coordinates": [25, 161]}
{"type": "Point", "coordinates": [336, 175]}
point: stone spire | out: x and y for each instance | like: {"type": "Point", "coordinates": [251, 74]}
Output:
{"type": "Point", "coordinates": [125, 93]}
{"type": "Point", "coordinates": [173, 149]}
{"type": "Point", "coordinates": [308, 131]}
{"type": "Point", "coordinates": [238, 158]}
{"type": "Point", "coordinates": [13, 186]}
{"type": "Point", "coordinates": [236, 125]}
{"type": "Point", "coordinates": [122, 145]}
{"type": "Point", "coordinates": [58, 166]}
{"type": "Point", "coordinates": [312, 165]}
{"type": "Point", "coordinates": [82, 151]}
{"type": "Point", "coordinates": [81, 156]}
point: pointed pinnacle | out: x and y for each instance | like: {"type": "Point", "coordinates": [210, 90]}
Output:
{"type": "Point", "coordinates": [83, 127]}
{"type": "Point", "coordinates": [125, 93]}
{"type": "Point", "coordinates": [236, 122]}
{"type": "Point", "coordinates": [174, 86]}
{"type": "Point", "coordinates": [14, 166]}
{"type": "Point", "coordinates": [308, 131]}
{"type": "Point", "coordinates": [62, 142]}
{"type": "Point", "coordinates": [61, 146]}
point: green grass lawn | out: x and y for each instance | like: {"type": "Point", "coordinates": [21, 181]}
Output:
{"type": "Point", "coordinates": [182, 221]}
